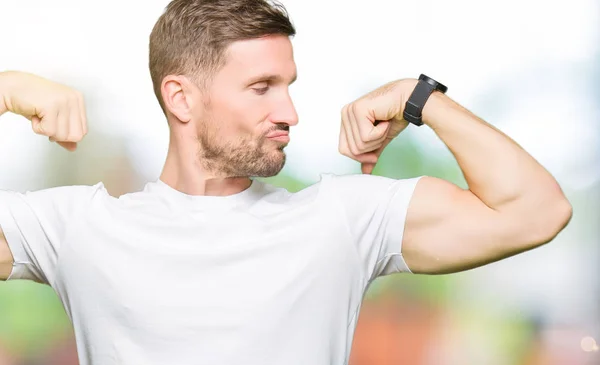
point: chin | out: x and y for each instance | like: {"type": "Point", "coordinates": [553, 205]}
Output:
{"type": "Point", "coordinates": [271, 164]}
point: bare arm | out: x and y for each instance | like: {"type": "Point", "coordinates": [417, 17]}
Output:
{"type": "Point", "coordinates": [56, 111]}
{"type": "Point", "coordinates": [512, 204]}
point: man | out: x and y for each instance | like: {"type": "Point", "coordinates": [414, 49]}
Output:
{"type": "Point", "coordinates": [209, 266]}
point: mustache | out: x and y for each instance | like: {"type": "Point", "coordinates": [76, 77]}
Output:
{"type": "Point", "coordinates": [278, 127]}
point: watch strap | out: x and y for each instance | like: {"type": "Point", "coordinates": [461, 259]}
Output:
{"type": "Point", "coordinates": [414, 106]}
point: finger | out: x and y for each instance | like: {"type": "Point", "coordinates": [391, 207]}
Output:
{"type": "Point", "coordinates": [62, 123]}
{"type": "Point", "coordinates": [343, 140]}
{"type": "Point", "coordinates": [350, 150]}
{"type": "Point", "coordinates": [69, 146]}
{"type": "Point", "coordinates": [367, 168]}
{"type": "Point", "coordinates": [347, 142]}
{"type": "Point", "coordinates": [83, 115]}
{"type": "Point", "coordinates": [371, 130]}
{"type": "Point", "coordinates": [369, 157]}
{"type": "Point", "coordinates": [74, 127]}
{"type": "Point", "coordinates": [369, 164]}
{"type": "Point", "coordinates": [357, 142]}
{"type": "Point", "coordinates": [48, 123]}
{"type": "Point", "coordinates": [357, 152]}
{"type": "Point", "coordinates": [362, 146]}
{"type": "Point", "coordinates": [363, 125]}
{"type": "Point", "coordinates": [380, 130]}
{"type": "Point", "coordinates": [36, 125]}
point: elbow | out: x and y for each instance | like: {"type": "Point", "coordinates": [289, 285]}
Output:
{"type": "Point", "coordinates": [563, 215]}
{"type": "Point", "coordinates": [550, 220]}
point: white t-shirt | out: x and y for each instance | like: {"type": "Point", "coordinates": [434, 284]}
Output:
{"type": "Point", "coordinates": [261, 277]}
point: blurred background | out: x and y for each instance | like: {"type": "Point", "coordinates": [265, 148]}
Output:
{"type": "Point", "coordinates": [530, 67]}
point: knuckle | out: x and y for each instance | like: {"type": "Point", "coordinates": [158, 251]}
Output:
{"type": "Point", "coordinates": [365, 136]}
{"type": "Point", "coordinates": [73, 137]}
{"type": "Point", "coordinates": [354, 151]}
{"type": "Point", "coordinates": [345, 151]}
{"type": "Point", "coordinates": [65, 98]}
{"type": "Point", "coordinates": [356, 107]}
{"type": "Point", "coordinates": [353, 108]}
{"type": "Point", "coordinates": [61, 136]}
{"type": "Point", "coordinates": [361, 145]}
{"type": "Point", "coordinates": [372, 136]}
{"type": "Point", "coordinates": [73, 99]}
{"type": "Point", "coordinates": [48, 127]}
{"type": "Point", "coordinates": [344, 110]}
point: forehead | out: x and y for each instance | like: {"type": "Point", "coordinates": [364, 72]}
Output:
{"type": "Point", "coordinates": [268, 55]}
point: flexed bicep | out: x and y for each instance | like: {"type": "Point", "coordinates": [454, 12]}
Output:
{"type": "Point", "coordinates": [449, 229]}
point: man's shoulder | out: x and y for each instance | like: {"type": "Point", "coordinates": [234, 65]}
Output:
{"type": "Point", "coordinates": [284, 192]}
{"type": "Point", "coordinates": [57, 201]}
{"type": "Point", "coordinates": [354, 188]}
{"type": "Point", "coordinates": [62, 192]}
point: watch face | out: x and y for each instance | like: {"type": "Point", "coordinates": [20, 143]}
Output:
{"type": "Point", "coordinates": [438, 86]}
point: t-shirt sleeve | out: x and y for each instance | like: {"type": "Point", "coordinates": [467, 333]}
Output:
{"type": "Point", "coordinates": [375, 208]}
{"type": "Point", "coordinates": [35, 224]}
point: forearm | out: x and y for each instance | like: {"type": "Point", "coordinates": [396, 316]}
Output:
{"type": "Point", "coordinates": [497, 170]}
{"type": "Point", "coordinates": [13, 85]}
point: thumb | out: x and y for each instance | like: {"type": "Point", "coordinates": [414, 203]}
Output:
{"type": "Point", "coordinates": [367, 168]}
{"type": "Point", "coordinates": [69, 146]}
{"type": "Point", "coordinates": [380, 129]}
{"type": "Point", "coordinates": [37, 125]}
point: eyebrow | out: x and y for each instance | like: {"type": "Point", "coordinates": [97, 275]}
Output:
{"type": "Point", "coordinates": [270, 77]}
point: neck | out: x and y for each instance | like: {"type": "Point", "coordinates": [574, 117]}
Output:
{"type": "Point", "coordinates": [184, 172]}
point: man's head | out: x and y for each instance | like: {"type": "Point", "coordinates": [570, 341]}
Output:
{"type": "Point", "coordinates": [221, 71]}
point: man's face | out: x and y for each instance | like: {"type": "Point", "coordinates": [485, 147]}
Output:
{"type": "Point", "coordinates": [244, 119]}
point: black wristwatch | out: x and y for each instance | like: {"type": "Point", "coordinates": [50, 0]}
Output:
{"type": "Point", "coordinates": [418, 98]}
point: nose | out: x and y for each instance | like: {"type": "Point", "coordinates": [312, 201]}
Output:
{"type": "Point", "coordinates": [285, 112]}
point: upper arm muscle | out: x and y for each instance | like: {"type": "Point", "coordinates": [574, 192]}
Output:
{"type": "Point", "coordinates": [6, 258]}
{"type": "Point", "coordinates": [449, 229]}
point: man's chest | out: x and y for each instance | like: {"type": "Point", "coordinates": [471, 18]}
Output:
{"type": "Point", "coordinates": [235, 275]}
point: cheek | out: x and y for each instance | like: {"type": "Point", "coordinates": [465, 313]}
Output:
{"type": "Point", "coordinates": [233, 126]}
{"type": "Point", "coordinates": [250, 119]}
{"type": "Point", "coordinates": [244, 114]}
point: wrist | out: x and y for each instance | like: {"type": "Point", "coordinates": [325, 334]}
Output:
{"type": "Point", "coordinates": [435, 108]}
{"type": "Point", "coordinates": [8, 81]}
{"type": "Point", "coordinates": [406, 87]}
{"type": "Point", "coordinates": [423, 101]}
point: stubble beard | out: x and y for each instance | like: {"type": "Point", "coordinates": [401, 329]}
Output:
{"type": "Point", "coordinates": [245, 157]}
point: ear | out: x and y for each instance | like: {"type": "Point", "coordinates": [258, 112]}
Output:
{"type": "Point", "coordinates": [177, 97]}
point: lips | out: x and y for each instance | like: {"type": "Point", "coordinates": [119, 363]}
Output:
{"type": "Point", "coordinates": [278, 134]}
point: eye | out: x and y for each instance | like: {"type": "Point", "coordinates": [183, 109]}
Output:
{"type": "Point", "coordinates": [261, 91]}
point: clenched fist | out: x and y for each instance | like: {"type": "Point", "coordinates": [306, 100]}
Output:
{"type": "Point", "coordinates": [55, 110]}
{"type": "Point", "coordinates": [370, 123]}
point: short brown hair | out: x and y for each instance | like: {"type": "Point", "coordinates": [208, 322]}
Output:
{"type": "Point", "coordinates": [190, 37]}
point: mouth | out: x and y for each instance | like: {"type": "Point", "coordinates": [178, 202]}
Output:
{"type": "Point", "coordinates": [279, 136]}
